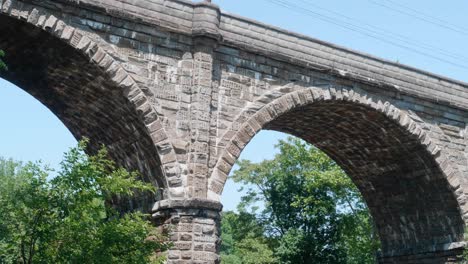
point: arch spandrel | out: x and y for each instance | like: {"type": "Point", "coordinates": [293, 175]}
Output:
{"type": "Point", "coordinates": [71, 71]}
{"type": "Point", "coordinates": [407, 180]}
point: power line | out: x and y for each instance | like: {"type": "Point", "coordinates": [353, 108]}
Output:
{"type": "Point", "coordinates": [358, 29]}
{"type": "Point", "coordinates": [421, 16]}
{"type": "Point", "coordinates": [464, 29]}
{"type": "Point", "coordinates": [403, 38]}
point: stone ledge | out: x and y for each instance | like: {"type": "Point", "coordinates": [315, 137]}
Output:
{"type": "Point", "coordinates": [285, 34]}
{"type": "Point", "coordinates": [206, 20]}
{"type": "Point", "coordinates": [187, 204]}
{"type": "Point", "coordinates": [425, 250]}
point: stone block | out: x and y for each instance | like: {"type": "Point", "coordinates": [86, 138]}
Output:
{"type": "Point", "coordinates": [183, 245]}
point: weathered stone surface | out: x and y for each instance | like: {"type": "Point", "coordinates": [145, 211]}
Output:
{"type": "Point", "coordinates": [176, 90]}
{"type": "Point", "coordinates": [197, 231]}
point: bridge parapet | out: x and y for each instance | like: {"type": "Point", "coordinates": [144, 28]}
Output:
{"type": "Point", "coordinates": [206, 19]}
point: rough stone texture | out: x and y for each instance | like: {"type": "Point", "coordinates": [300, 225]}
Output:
{"type": "Point", "coordinates": [177, 89]}
{"type": "Point", "coordinates": [194, 226]}
{"type": "Point", "coordinates": [446, 256]}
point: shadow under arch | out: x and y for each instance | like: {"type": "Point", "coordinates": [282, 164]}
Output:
{"type": "Point", "coordinates": [91, 99]}
{"type": "Point", "coordinates": [407, 181]}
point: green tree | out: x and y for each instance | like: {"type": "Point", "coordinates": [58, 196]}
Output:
{"type": "Point", "coordinates": [71, 218]}
{"type": "Point", "coordinates": [243, 240]}
{"type": "Point", "coordinates": [3, 66]}
{"type": "Point", "coordinates": [311, 208]}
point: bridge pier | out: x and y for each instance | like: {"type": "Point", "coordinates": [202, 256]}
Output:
{"type": "Point", "coordinates": [194, 228]}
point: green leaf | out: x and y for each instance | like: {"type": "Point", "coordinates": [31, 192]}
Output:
{"type": "Point", "coordinates": [3, 66]}
{"type": "Point", "coordinates": [71, 218]}
{"type": "Point", "coordinates": [313, 213]}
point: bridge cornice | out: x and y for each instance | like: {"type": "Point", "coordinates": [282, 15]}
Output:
{"type": "Point", "coordinates": [344, 63]}
{"type": "Point", "coordinates": [206, 19]}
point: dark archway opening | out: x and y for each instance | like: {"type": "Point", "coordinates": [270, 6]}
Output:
{"type": "Point", "coordinates": [413, 206]}
{"type": "Point", "coordinates": [404, 184]}
{"type": "Point", "coordinates": [82, 96]}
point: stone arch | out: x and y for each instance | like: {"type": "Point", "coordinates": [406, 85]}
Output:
{"type": "Point", "coordinates": [412, 189]}
{"type": "Point", "coordinates": [47, 56]}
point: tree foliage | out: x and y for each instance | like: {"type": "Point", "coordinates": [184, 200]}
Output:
{"type": "Point", "coordinates": [312, 212]}
{"type": "Point", "coordinates": [243, 240]}
{"type": "Point", "coordinates": [3, 66]}
{"type": "Point", "coordinates": [70, 218]}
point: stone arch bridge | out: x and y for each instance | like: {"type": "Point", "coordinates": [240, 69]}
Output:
{"type": "Point", "coordinates": [177, 89]}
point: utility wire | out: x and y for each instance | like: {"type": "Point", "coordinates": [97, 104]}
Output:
{"type": "Point", "coordinates": [429, 16]}
{"type": "Point", "coordinates": [421, 16]}
{"type": "Point", "coordinates": [400, 37]}
{"type": "Point", "coordinates": [358, 29]}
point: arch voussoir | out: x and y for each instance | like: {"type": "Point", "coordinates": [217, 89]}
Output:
{"type": "Point", "coordinates": [434, 165]}
{"type": "Point", "coordinates": [58, 25]}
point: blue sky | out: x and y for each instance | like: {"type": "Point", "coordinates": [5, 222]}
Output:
{"type": "Point", "coordinates": [29, 131]}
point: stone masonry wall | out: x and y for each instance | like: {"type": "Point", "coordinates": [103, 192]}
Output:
{"type": "Point", "coordinates": [177, 89]}
{"type": "Point", "coordinates": [194, 227]}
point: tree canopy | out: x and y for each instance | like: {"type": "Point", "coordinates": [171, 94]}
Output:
{"type": "Point", "coordinates": [243, 240]}
{"type": "Point", "coordinates": [300, 207]}
{"type": "Point", "coordinates": [70, 218]}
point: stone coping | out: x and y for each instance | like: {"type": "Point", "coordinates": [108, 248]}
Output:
{"type": "Point", "coordinates": [187, 204]}
{"type": "Point", "coordinates": [339, 47]}
{"type": "Point", "coordinates": [282, 34]}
